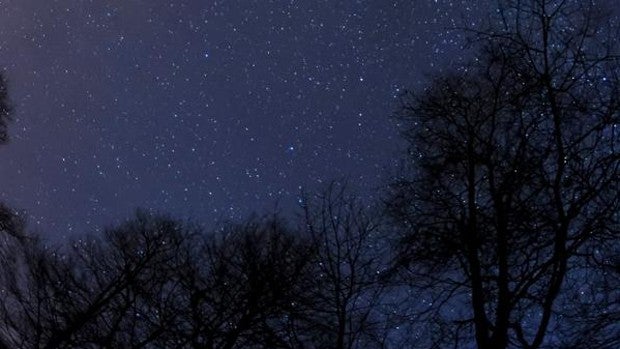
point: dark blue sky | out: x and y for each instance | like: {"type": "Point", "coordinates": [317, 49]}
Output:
{"type": "Point", "coordinates": [206, 109]}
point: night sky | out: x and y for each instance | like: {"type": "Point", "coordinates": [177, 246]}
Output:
{"type": "Point", "coordinates": [205, 109]}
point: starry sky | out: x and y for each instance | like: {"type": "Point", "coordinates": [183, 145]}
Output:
{"type": "Point", "coordinates": [207, 109]}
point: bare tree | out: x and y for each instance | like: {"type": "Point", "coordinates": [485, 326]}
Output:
{"type": "Point", "coordinates": [5, 110]}
{"type": "Point", "coordinates": [240, 287]}
{"type": "Point", "coordinates": [96, 294]}
{"type": "Point", "coordinates": [155, 282]}
{"type": "Point", "coordinates": [514, 165]}
{"type": "Point", "coordinates": [593, 311]}
{"type": "Point", "coordinates": [346, 307]}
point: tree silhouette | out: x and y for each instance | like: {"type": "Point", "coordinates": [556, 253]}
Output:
{"type": "Point", "coordinates": [346, 303]}
{"type": "Point", "coordinates": [514, 165]}
{"type": "Point", "coordinates": [5, 110]}
{"type": "Point", "coordinates": [594, 305]}
{"type": "Point", "coordinates": [156, 282]}
{"type": "Point", "coordinates": [239, 288]}
{"type": "Point", "coordinates": [97, 294]}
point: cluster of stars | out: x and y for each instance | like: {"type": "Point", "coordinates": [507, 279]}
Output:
{"type": "Point", "coordinates": [207, 110]}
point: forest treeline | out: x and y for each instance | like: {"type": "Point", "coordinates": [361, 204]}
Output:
{"type": "Point", "coordinates": [500, 230]}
